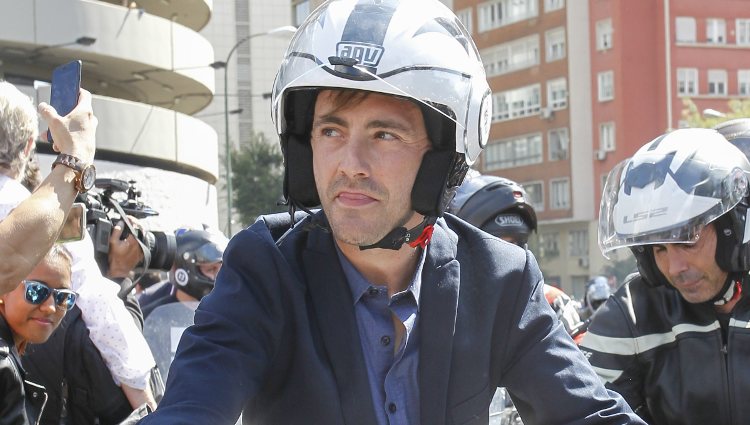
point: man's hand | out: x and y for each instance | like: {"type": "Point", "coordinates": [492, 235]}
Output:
{"type": "Point", "coordinates": [74, 133]}
{"type": "Point", "coordinates": [124, 255]}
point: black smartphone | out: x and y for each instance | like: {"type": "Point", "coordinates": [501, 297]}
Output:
{"type": "Point", "coordinates": [66, 83]}
{"type": "Point", "coordinates": [75, 224]}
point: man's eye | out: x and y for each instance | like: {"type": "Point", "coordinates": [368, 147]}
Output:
{"type": "Point", "coordinates": [329, 132]}
{"type": "Point", "coordinates": [386, 136]}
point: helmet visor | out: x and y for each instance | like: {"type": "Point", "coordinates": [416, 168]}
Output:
{"type": "Point", "coordinates": [657, 199]}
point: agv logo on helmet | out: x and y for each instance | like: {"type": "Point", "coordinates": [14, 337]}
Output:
{"type": "Point", "coordinates": [366, 54]}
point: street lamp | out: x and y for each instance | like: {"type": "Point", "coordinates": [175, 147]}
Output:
{"type": "Point", "coordinates": [285, 30]}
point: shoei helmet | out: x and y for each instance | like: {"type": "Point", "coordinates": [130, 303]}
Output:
{"type": "Point", "coordinates": [737, 131]}
{"type": "Point", "coordinates": [415, 49]}
{"type": "Point", "coordinates": [597, 292]}
{"type": "Point", "coordinates": [496, 205]}
{"type": "Point", "coordinates": [196, 247]}
{"type": "Point", "coordinates": [669, 191]}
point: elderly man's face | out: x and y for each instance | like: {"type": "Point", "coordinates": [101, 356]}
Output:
{"type": "Point", "coordinates": [365, 157]}
{"type": "Point", "coordinates": [692, 268]}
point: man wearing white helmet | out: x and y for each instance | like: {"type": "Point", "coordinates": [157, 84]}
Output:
{"type": "Point", "coordinates": [377, 310]}
{"type": "Point", "coordinates": [673, 340]}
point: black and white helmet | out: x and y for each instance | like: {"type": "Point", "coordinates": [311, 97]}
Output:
{"type": "Point", "coordinates": [497, 205]}
{"type": "Point", "coordinates": [196, 247]}
{"type": "Point", "coordinates": [415, 49]}
{"type": "Point", "coordinates": [670, 190]}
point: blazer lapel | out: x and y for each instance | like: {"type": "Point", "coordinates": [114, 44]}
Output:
{"type": "Point", "coordinates": [437, 319]}
{"type": "Point", "coordinates": [332, 302]}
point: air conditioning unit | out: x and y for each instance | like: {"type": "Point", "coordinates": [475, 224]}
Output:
{"type": "Point", "coordinates": [583, 262]}
{"type": "Point", "coordinates": [600, 154]}
{"type": "Point", "coordinates": [547, 113]}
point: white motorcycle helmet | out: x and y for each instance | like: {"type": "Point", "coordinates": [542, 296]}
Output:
{"type": "Point", "coordinates": [669, 191]}
{"type": "Point", "coordinates": [415, 49]}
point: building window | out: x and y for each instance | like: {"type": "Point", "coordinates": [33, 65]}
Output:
{"type": "Point", "coordinates": [301, 10]}
{"type": "Point", "coordinates": [549, 245]}
{"type": "Point", "coordinates": [743, 32]}
{"type": "Point", "coordinates": [464, 16]}
{"type": "Point", "coordinates": [512, 56]}
{"type": "Point", "coordinates": [606, 81]}
{"type": "Point", "coordinates": [604, 34]}
{"type": "Point", "coordinates": [717, 82]}
{"type": "Point", "coordinates": [743, 82]}
{"type": "Point", "coordinates": [578, 243]}
{"type": "Point", "coordinates": [559, 194]}
{"type": "Point", "coordinates": [607, 136]}
{"type": "Point", "coordinates": [497, 13]}
{"type": "Point", "coordinates": [687, 81]}
{"type": "Point", "coordinates": [555, 42]}
{"type": "Point", "coordinates": [557, 94]}
{"type": "Point", "coordinates": [716, 31]}
{"type": "Point", "coordinates": [535, 194]}
{"type": "Point", "coordinates": [518, 103]}
{"type": "Point", "coordinates": [558, 140]}
{"type": "Point", "coordinates": [685, 29]}
{"type": "Point", "coordinates": [514, 152]}
{"type": "Point", "coordinates": [550, 5]}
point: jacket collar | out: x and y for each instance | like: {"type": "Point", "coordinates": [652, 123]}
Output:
{"type": "Point", "coordinates": [331, 298]}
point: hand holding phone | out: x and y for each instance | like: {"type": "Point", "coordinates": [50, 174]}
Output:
{"type": "Point", "coordinates": [66, 84]}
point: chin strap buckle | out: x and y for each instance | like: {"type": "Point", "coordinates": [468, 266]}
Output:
{"type": "Point", "coordinates": [424, 238]}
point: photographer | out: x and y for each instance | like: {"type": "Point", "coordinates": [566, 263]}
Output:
{"type": "Point", "coordinates": [31, 228]}
{"type": "Point", "coordinates": [111, 327]}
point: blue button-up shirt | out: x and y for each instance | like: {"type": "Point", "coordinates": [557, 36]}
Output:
{"type": "Point", "coordinates": [392, 372]}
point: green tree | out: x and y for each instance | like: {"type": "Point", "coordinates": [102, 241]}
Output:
{"type": "Point", "coordinates": [738, 108]}
{"type": "Point", "coordinates": [257, 178]}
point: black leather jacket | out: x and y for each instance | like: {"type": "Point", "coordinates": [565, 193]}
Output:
{"type": "Point", "coordinates": [667, 357]}
{"type": "Point", "coordinates": [15, 409]}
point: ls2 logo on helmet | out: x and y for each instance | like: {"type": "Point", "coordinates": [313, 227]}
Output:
{"type": "Point", "coordinates": [365, 54]}
{"type": "Point", "coordinates": [181, 276]}
{"type": "Point", "coordinates": [642, 215]}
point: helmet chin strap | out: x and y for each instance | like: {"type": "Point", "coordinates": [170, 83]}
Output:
{"type": "Point", "coordinates": [731, 290]}
{"type": "Point", "coordinates": [418, 235]}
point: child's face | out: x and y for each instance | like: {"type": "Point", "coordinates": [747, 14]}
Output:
{"type": "Point", "coordinates": [35, 323]}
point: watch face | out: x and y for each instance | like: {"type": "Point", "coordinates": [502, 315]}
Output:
{"type": "Point", "coordinates": [88, 177]}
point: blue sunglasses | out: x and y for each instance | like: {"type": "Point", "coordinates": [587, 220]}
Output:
{"type": "Point", "coordinates": [37, 292]}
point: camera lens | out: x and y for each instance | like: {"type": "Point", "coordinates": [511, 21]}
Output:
{"type": "Point", "coordinates": [162, 246]}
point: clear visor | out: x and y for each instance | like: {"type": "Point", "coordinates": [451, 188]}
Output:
{"type": "Point", "coordinates": [409, 70]}
{"type": "Point", "coordinates": [653, 201]}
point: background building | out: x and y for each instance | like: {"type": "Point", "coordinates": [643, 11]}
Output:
{"type": "Point", "coordinates": [147, 67]}
{"type": "Point", "coordinates": [578, 86]}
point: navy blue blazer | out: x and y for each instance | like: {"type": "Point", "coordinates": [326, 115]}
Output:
{"type": "Point", "coordinates": [277, 337]}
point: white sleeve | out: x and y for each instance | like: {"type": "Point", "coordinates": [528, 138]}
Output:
{"type": "Point", "coordinates": [111, 327]}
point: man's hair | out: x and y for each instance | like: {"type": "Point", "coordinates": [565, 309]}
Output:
{"type": "Point", "coordinates": [18, 124]}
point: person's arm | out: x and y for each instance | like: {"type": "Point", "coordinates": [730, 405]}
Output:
{"type": "Point", "coordinates": [222, 360]}
{"type": "Point", "coordinates": [33, 226]}
{"type": "Point", "coordinates": [610, 346]}
{"type": "Point", "coordinates": [547, 375]}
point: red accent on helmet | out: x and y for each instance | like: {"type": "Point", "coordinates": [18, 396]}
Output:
{"type": "Point", "coordinates": [423, 238]}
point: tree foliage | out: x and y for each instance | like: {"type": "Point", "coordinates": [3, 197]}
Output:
{"type": "Point", "coordinates": [257, 178]}
{"type": "Point", "coordinates": [738, 108]}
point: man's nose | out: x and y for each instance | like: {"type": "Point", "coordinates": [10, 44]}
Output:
{"type": "Point", "coordinates": [48, 306]}
{"type": "Point", "coordinates": [676, 260]}
{"type": "Point", "coordinates": [354, 155]}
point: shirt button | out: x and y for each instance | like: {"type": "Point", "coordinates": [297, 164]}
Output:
{"type": "Point", "coordinates": [373, 292]}
{"type": "Point", "coordinates": [385, 340]}
{"type": "Point", "coordinates": [392, 407]}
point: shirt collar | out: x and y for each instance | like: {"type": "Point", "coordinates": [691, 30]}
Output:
{"type": "Point", "coordinates": [359, 285]}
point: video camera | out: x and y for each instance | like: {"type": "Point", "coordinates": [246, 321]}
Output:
{"type": "Point", "coordinates": [106, 207]}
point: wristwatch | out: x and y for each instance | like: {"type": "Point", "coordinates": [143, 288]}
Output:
{"type": "Point", "coordinates": [85, 173]}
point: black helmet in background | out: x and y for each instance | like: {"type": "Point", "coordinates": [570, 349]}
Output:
{"type": "Point", "coordinates": [497, 205]}
{"type": "Point", "coordinates": [194, 248]}
{"type": "Point", "coordinates": [737, 131]}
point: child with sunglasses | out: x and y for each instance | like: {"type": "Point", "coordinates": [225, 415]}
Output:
{"type": "Point", "coordinates": [29, 314]}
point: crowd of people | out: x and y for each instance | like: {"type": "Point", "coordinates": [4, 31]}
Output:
{"type": "Point", "coordinates": [400, 287]}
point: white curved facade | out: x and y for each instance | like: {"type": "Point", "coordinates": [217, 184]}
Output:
{"type": "Point", "coordinates": [148, 70]}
